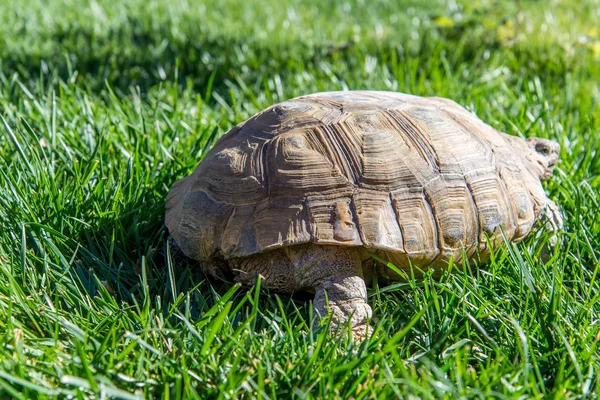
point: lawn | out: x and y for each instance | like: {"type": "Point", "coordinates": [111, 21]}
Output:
{"type": "Point", "coordinates": [105, 104]}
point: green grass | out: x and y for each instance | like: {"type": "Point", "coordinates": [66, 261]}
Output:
{"type": "Point", "coordinates": [106, 105]}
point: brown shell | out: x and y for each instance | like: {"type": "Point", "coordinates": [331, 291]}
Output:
{"type": "Point", "coordinates": [417, 178]}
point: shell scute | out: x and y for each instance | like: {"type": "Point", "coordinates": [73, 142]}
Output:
{"type": "Point", "coordinates": [418, 225]}
{"type": "Point", "coordinates": [379, 227]}
{"type": "Point", "coordinates": [269, 230]}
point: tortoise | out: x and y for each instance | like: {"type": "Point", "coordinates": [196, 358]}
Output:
{"type": "Point", "coordinates": [305, 191]}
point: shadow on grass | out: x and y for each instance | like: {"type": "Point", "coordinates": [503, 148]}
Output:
{"type": "Point", "coordinates": [135, 56]}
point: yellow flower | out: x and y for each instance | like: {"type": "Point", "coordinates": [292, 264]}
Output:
{"type": "Point", "coordinates": [506, 32]}
{"type": "Point", "coordinates": [443, 22]}
{"type": "Point", "coordinates": [595, 48]}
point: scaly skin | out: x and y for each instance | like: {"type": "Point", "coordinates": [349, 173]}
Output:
{"type": "Point", "coordinates": [334, 273]}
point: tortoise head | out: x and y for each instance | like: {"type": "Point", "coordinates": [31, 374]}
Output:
{"type": "Point", "coordinates": [542, 155]}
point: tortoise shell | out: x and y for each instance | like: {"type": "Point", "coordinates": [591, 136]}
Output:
{"type": "Point", "coordinates": [418, 179]}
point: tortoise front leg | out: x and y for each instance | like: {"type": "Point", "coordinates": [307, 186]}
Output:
{"type": "Point", "coordinates": [346, 299]}
{"type": "Point", "coordinates": [556, 220]}
{"type": "Point", "coordinates": [335, 273]}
